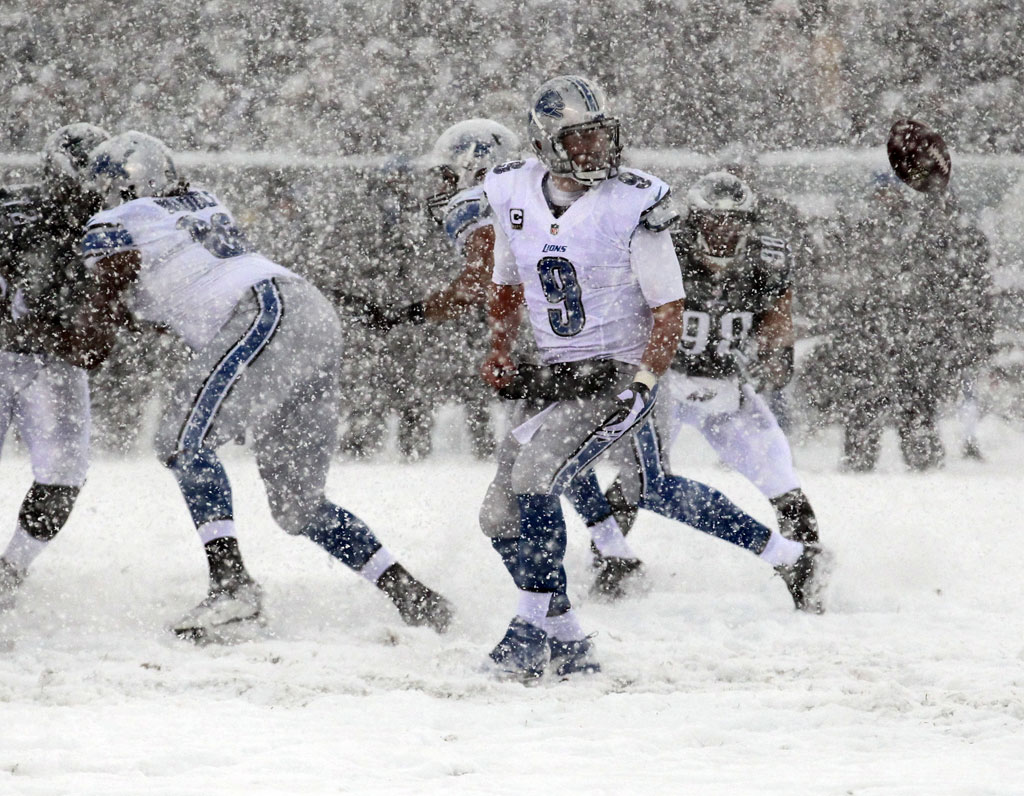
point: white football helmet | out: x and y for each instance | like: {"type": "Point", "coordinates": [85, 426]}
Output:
{"type": "Point", "coordinates": [464, 152]}
{"type": "Point", "coordinates": [129, 166]}
{"type": "Point", "coordinates": [722, 214]}
{"type": "Point", "coordinates": [65, 155]}
{"type": "Point", "coordinates": [571, 132]}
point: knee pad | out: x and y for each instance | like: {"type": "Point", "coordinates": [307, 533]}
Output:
{"type": "Point", "coordinates": [295, 515]}
{"type": "Point", "coordinates": [45, 509]}
{"type": "Point", "coordinates": [499, 514]}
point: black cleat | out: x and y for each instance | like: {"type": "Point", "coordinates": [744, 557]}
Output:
{"type": "Point", "coordinates": [417, 604]}
{"type": "Point", "coordinates": [806, 579]}
{"type": "Point", "coordinates": [613, 574]}
{"type": "Point", "coordinates": [522, 654]}
{"type": "Point", "coordinates": [573, 657]}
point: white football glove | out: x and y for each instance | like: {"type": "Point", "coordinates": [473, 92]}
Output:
{"type": "Point", "coordinates": [633, 405]}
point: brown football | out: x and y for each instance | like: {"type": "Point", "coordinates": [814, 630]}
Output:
{"type": "Point", "coordinates": [919, 156]}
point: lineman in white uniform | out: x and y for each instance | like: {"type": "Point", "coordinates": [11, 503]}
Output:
{"type": "Point", "coordinates": [267, 346]}
{"type": "Point", "coordinates": [585, 244]}
{"type": "Point", "coordinates": [46, 397]}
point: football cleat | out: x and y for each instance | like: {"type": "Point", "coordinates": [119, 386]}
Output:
{"type": "Point", "coordinates": [806, 579]}
{"type": "Point", "coordinates": [417, 604]}
{"type": "Point", "coordinates": [573, 657]}
{"type": "Point", "coordinates": [522, 654]}
{"type": "Point", "coordinates": [226, 615]}
{"type": "Point", "coordinates": [10, 580]}
{"type": "Point", "coordinates": [613, 575]}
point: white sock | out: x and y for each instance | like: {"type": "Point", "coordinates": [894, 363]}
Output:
{"type": "Point", "coordinates": [565, 627]}
{"type": "Point", "coordinates": [608, 539]}
{"type": "Point", "coordinates": [22, 549]}
{"type": "Point", "coordinates": [533, 607]}
{"type": "Point", "coordinates": [217, 529]}
{"type": "Point", "coordinates": [780, 551]}
{"type": "Point", "coordinates": [377, 565]}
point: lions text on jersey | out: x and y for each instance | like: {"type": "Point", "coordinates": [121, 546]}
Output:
{"type": "Point", "coordinates": [589, 284]}
{"type": "Point", "coordinates": [195, 262]}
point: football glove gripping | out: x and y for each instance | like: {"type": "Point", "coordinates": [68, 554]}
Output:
{"type": "Point", "coordinates": [632, 405]}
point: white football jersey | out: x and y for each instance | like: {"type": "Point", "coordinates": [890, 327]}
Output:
{"type": "Point", "coordinates": [195, 262]}
{"type": "Point", "coordinates": [465, 213]}
{"type": "Point", "coordinates": [589, 286]}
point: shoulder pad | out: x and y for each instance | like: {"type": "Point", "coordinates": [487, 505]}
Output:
{"type": "Point", "coordinates": [501, 168]}
{"type": "Point", "coordinates": [661, 215]}
{"type": "Point", "coordinates": [465, 211]}
{"type": "Point", "coordinates": [635, 179]}
{"type": "Point", "coordinates": [773, 251]}
{"type": "Point", "coordinates": [772, 259]}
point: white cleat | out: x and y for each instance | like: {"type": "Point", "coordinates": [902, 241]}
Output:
{"type": "Point", "coordinates": [226, 616]}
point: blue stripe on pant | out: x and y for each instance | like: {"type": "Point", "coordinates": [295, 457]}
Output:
{"type": "Point", "coordinates": [231, 366]}
{"type": "Point", "coordinates": [691, 502]}
{"type": "Point", "coordinates": [542, 537]}
{"type": "Point", "coordinates": [199, 472]}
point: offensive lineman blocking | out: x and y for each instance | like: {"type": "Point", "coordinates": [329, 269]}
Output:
{"type": "Point", "coordinates": [266, 345]}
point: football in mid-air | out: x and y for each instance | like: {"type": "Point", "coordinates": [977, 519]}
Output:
{"type": "Point", "coordinates": [919, 156]}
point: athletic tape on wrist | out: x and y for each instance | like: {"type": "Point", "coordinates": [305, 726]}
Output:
{"type": "Point", "coordinates": [646, 378]}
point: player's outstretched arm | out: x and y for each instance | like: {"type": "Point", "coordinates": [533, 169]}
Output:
{"type": "Point", "coordinates": [503, 308]}
{"type": "Point", "coordinates": [775, 339]}
{"type": "Point", "coordinates": [665, 336]}
{"type": "Point", "coordinates": [97, 319]}
{"type": "Point", "coordinates": [469, 289]}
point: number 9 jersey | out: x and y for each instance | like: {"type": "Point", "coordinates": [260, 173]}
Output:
{"type": "Point", "coordinates": [195, 264]}
{"type": "Point", "coordinates": [592, 275]}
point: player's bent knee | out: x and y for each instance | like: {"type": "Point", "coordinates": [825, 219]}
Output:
{"type": "Point", "coordinates": [296, 515]}
{"type": "Point", "coordinates": [499, 514]}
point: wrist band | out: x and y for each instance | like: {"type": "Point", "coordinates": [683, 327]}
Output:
{"type": "Point", "coordinates": [646, 378]}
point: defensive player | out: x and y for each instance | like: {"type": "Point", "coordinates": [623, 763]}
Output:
{"type": "Point", "coordinates": [266, 346]}
{"type": "Point", "coordinates": [738, 341]}
{"type": "Point", "coordinates": [585, 244]}
{"type": "Point", "coordinates": [46, 397]}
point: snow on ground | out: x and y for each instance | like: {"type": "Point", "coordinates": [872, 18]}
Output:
{"type": "Point", "coordinates": [912, 684]}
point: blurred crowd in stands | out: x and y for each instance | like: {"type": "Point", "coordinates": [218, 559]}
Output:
{"type": "Point", "coordinates": [355, 78]}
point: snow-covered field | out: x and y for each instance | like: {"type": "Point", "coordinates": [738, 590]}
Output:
{"type": "Point", "coordinates": [913, 683]}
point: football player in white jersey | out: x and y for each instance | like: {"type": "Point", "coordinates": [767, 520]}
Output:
{"type": "Point", "coordinates": [585, 244]}
{"type": "Point", "coordinates": [266, 346]}
{"type": "Point", "coordinates": [44, 395]}
{"type": "Point", "coordinates": [461, 156]}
